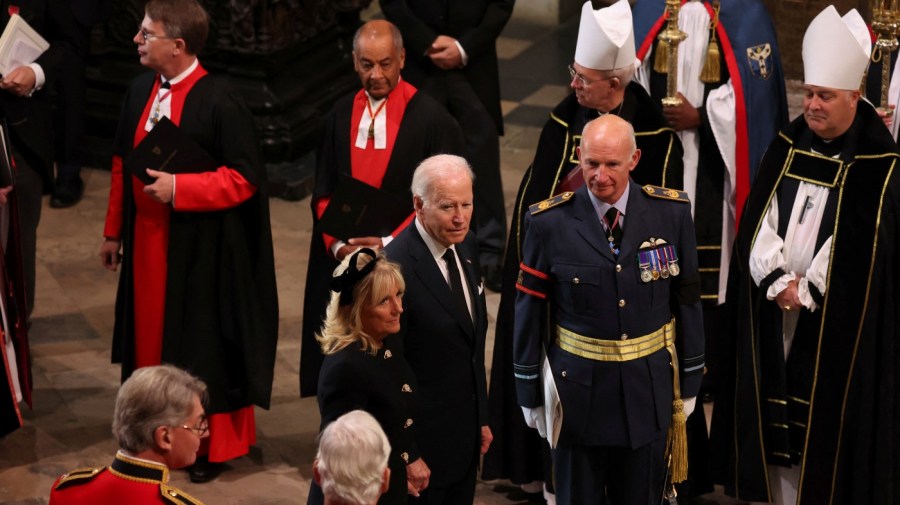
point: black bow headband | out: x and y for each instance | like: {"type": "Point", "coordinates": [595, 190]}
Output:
{"type": "Point", "coordinates": [345, 282]}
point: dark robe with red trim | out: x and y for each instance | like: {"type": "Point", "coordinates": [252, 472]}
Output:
{"type": "Point", "coordinates": [844, 359]}
{"type": "Point", "coordinates": [425, 129]}
{"type": "Point", "coordinates": [515, 452]}
{"type": "Point", "coordinates": [206, 260]}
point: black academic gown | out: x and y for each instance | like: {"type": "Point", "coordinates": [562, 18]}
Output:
{"type": "Point", "coordinates": [427, 129]}
{"type": "Point", "coordinates": [516, 451]}
{"type": "Point", "coordinates": [221, 311]}
{"type": "Point", "coordinates": [845, 352]}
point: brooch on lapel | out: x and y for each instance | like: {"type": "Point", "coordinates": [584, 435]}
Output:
{"type": "Point", "coordinates": [657, 259]}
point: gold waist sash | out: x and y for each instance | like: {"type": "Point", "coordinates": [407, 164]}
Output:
{"type": "Point", "coordinates": [616, 350]}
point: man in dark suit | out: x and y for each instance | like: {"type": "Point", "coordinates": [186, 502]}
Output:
{"type": "Point", "coordinates": [443, 328]}
{"type": "Point", "coordinates": [615, 267]}
{"type": "Point", "coordinates": [25, 106]}
{"type": "Point", "coordinates": [452, 55]}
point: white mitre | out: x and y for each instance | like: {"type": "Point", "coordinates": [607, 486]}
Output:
{"type": "Point", "coordinates": [605, 37]}
{"type": "Point", "coordinates": [836, 50]}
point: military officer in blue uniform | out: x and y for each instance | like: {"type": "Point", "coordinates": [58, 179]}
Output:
{"type": "Point", "coordinates": [608, 285]}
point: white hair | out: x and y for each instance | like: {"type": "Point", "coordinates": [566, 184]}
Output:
{"type": "Point", "coordinates": [353, 453]}
{"type": "Point", "coordinates": [433, 169]}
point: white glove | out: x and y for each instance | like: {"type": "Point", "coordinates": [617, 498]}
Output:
{"type": "Point", "coordinates": [535, 418]}
{"type": "Point", "coordinates": [689, 405]}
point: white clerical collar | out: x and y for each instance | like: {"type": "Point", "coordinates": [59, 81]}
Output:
{"type": "Point", "coordinates": [182, 76]}
{"type": "Point", "coordinates": [378, 108]}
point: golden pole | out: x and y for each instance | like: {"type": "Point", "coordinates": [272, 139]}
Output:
{"type": "Point", "coordinates": [886, 24]}
{"type": "Point", "coordinates": [671, 37]}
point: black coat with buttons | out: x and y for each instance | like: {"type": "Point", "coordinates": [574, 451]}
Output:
{"type": "Point", "coordinates": [570, 275]}
{"type": "Point", "coordinates": [381, 384]}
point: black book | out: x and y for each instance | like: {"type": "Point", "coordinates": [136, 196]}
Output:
{"type": "Point", "coordinates": [359, 210]}
{"type": "Point", "coordinates": [167, 149]}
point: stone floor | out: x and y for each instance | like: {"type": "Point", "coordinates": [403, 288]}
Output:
{"type": "Point", "coordinates": [75, 384]}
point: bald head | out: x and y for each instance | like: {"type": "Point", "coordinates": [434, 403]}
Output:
{"type": "Point", "coordinates": [607, 155]}
{"type": "Point", "coordinates": [378, 57]}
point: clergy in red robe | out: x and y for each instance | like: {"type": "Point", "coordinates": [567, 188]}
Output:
{"type": "Point", "coordinates": [377, 135]}
{"type": "Point", "coordinates": [197, 288]}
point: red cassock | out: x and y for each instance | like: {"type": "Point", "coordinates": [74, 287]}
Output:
{"type": "Point", "coordinates": [231, 433]}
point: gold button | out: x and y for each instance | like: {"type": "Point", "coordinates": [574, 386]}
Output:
{"type": "Point", "coordinates": [563, 373]}
{"type": "Point", "coordinates": [405, 457]}
{"type": "Point", "coordinates": [576, 280]}
{"type": "Point", "coordinates": [173, 494]}
{"type": "Point", "coordinates": [406, 388]}
{"type": "Point", "coordinates": [618, 268]}
{"type": "Point", "coordinates": [621, 303]}
{"type": "Point", "coordinates": [624, 336]}
{"type": "Point", "coordinates": [387, 354]}
{"type": "Point", "coordinates": [408, 423]}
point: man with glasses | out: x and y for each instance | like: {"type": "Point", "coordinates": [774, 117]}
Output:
{"type": "Point", "coordinates": [601, 83]}
{"type": "Point", "coordinates": [197, 288]}
{"type": "Point", "coordinates": [159, 423]}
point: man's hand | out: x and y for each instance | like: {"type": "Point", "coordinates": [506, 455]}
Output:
{"type": "Point", "coordinates": [444, 53]}
{"type": "Point", "coordinates": [789, 298]}
{"type": "Point", "coordinates": [886, 115]}
{"type": "Point", "coordinates": [20, 81]}
{"type": "Point", "coordinates": [486, 438]}
{"type": "Point", "coordinates": [536, 419]}
{"type": "Point", "coordinates": [109, 254]}
{"type": "Point", "coordinates": [417, 476]}
{"type": "Point", "coordinates": [682, 117]}
{"type": "Point", "coordinates": [162, 188]}
{"type": "Point", "coordinates": [355, 243]}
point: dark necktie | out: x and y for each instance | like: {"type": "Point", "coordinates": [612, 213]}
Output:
{"type": "Point", "coordinates": [614, 230]}
{"type": "Point", "coordinates": [456, 285]}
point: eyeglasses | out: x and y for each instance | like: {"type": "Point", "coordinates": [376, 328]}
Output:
{"type": "Point", "coordinates": [581, 79]}
{"type": "Point", "coordinates": [147, 36]}
{"type": "Point", "coordinates": [200, 430]}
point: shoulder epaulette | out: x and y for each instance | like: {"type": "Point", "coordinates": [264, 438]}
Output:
{"type": "Point", "coordinates": [79, 476]}
{"type": "Point", "coordinates": [666, 193]}
{"type": "Point", "coordinates": [177, 496]}
{"type": "Point", "coordinates": [549, 203]}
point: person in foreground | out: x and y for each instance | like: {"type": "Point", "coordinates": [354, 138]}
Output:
{"type": "Point", "coordinates": [614, 265]}
{"type": "Point", "coordinates": [351, 466]}
{"type": "Point", "coordinates": [158, 422]}
{"type": "Point", "coordinates": [197, 287]}
{"type": "Point", "coordinates": [361, 371]}
{"type": "Point", "coordinates": [808, 409]}
{"type": "Point", "coordinates": [443, 328]}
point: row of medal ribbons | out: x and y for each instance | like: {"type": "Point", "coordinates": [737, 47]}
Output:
{"type": "Point", "coordinates": [657, 259]}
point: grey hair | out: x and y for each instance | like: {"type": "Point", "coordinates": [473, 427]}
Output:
{"type": "Point", "coordinates": [395, 35]}
{"type": "Point", "coordinates": [153, 396]}
{"type": "Point", "coordinates": [432, 169]}
{"type": "Point", "coordinates": [624, 74]}
{"type": "Point", "coordinates": [353, 453]}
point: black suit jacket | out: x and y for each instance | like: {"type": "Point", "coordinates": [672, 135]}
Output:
{"type": "Point", "coordinates": [29, 117]}
{"type": "Point", "coordinates": [476, 24]}
{"type": "Point", "coordinates": [446, 353]}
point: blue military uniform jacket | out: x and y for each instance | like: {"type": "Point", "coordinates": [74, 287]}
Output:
{"type": "Point", "coordinates": [571, 278]}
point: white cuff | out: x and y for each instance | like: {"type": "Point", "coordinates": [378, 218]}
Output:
{"type": "Point", "coordinates": [462, 54]}
{"type": "Point", "coordinates": [39, 77]}
{"type": "Point", "coordinates": [779, 285]}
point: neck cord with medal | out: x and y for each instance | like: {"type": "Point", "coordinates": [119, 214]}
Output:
{"type": "Point", "coordinates": [612, 226]}
{"type": "Point", "coordinates": [160, 97]}
{"type": "Point", "coordinates": [373, 116]}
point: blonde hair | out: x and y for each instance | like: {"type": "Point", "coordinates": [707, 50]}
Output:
{"type": "Point", "coordinates": [343, 323]}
